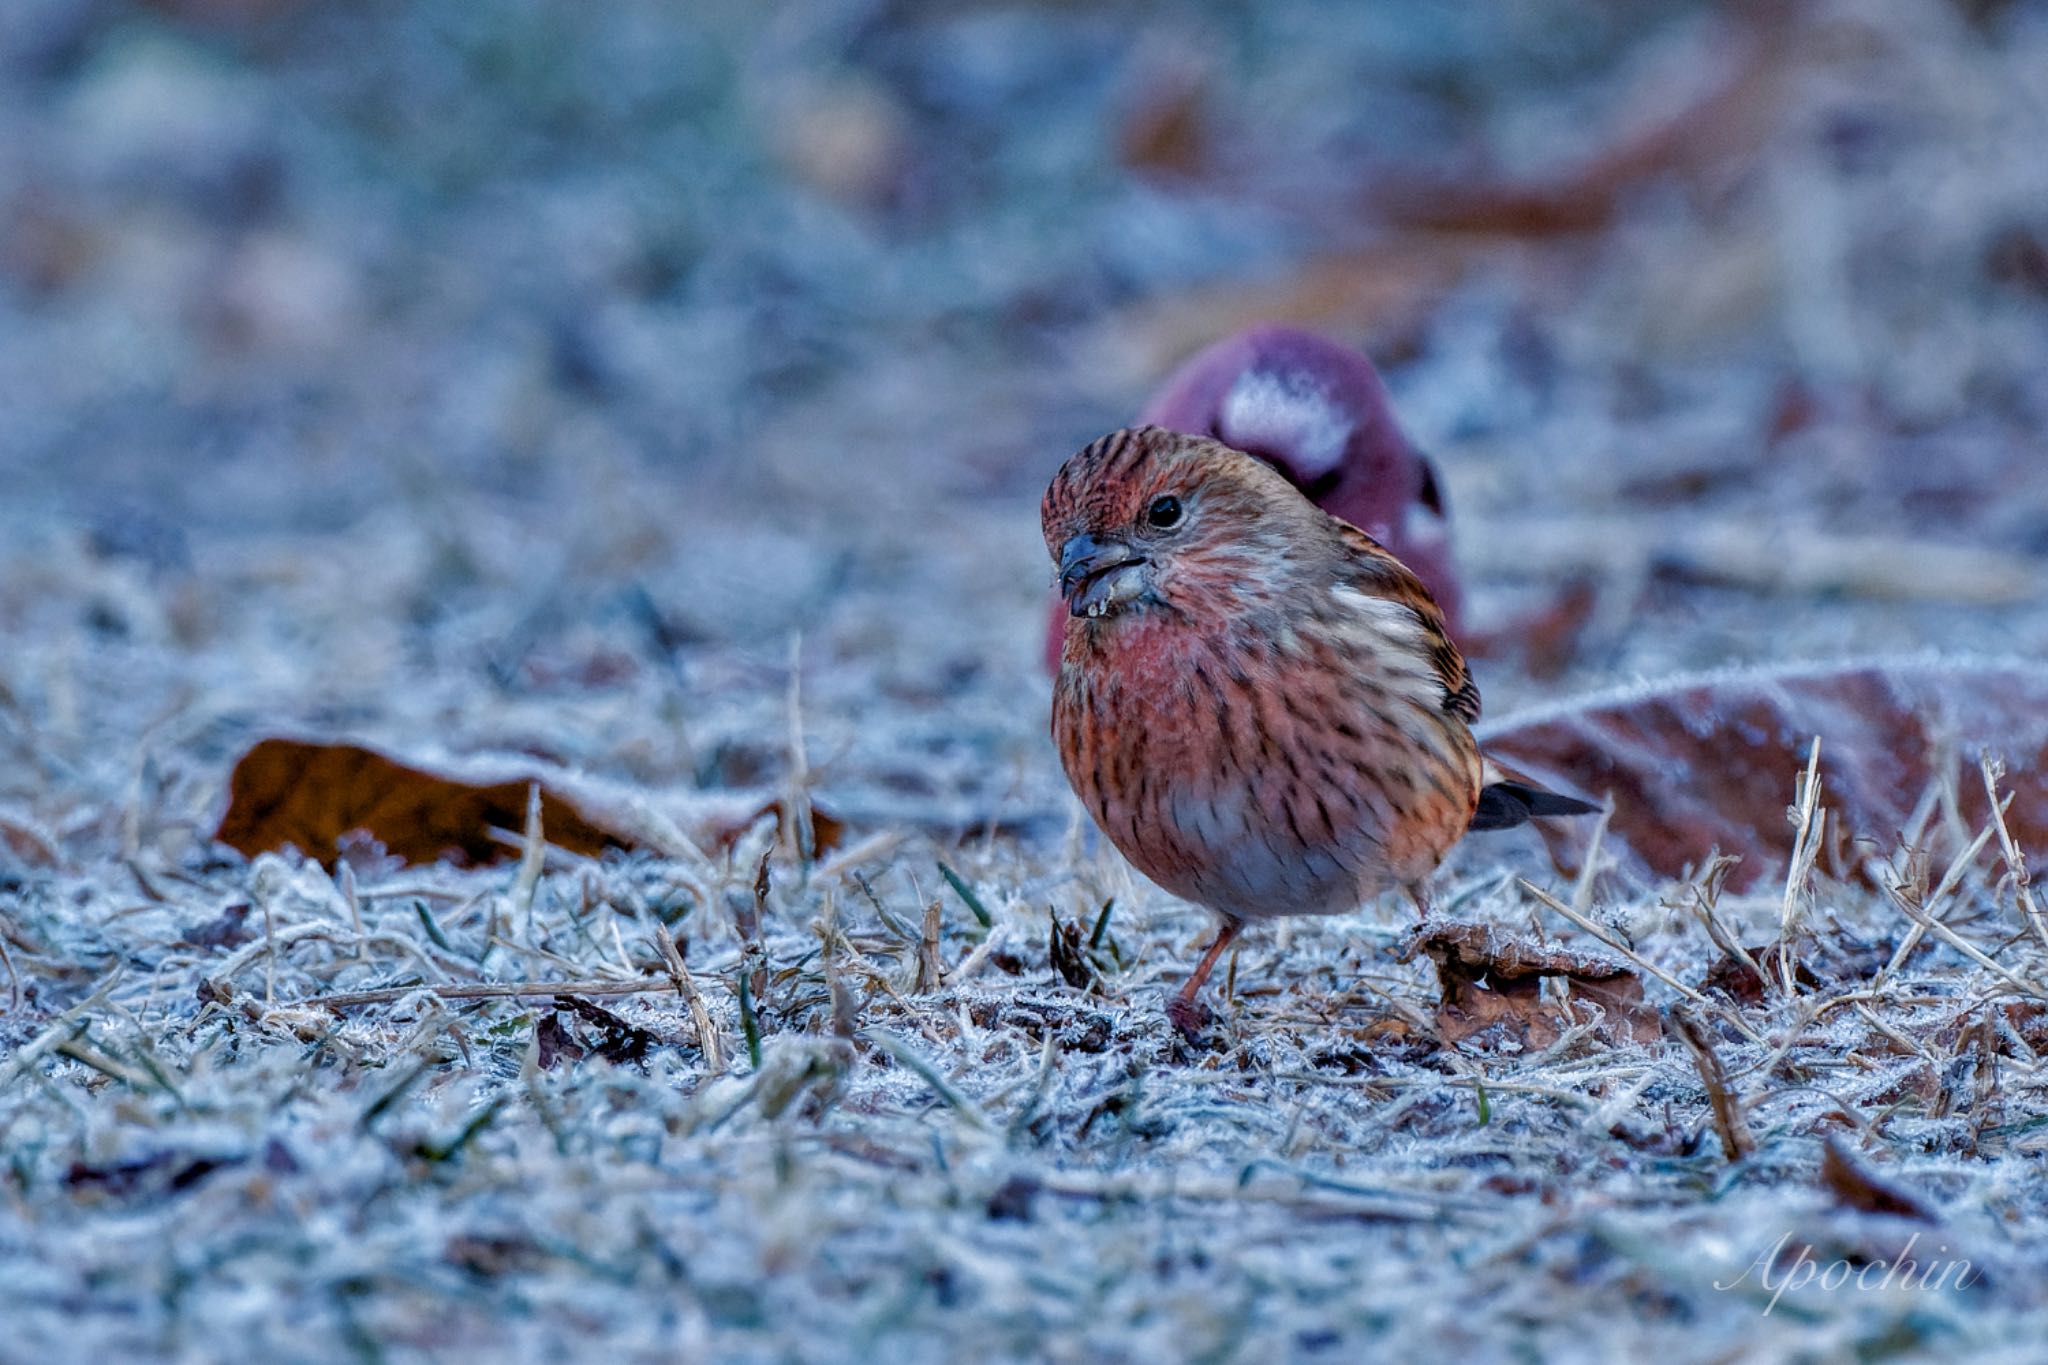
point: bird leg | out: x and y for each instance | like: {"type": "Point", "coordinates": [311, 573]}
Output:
{"type": "Point", "coordinates": [1184, 1011]}
{"type": "Point", "coordinates": [1419, 893]}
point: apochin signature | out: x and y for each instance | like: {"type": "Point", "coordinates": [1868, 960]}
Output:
{"type": "Point", "coordinates": [1901, 1272]}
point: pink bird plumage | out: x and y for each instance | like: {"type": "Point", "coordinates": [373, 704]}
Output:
{"type": "Point", "coordinates": [1317, 412]}
{"type": "Point", "coordinates": [1259, 705]}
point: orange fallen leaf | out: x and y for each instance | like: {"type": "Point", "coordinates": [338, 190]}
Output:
{"type": "Point", "coordinates": [287, 792]}
{"type": "Point", "coordinates": [1709, 762]}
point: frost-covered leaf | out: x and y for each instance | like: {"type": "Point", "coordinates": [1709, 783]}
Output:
{"type": "Point", "coordinates": [1492, 987]}
{"type": "Point", "coordinates": [1710, 762]}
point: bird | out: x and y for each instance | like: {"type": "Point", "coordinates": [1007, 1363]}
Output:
{"type": "Point", "coordinates": [1317, 412]}
{"type": "Point", "coordinates": [1257, 703]}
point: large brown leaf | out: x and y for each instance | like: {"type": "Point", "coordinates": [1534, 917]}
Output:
{"type": "Point", "coordinates": [1710, 762]}
{"type": "Point", "coordinates": [291, 792]}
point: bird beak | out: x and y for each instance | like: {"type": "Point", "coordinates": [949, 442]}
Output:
{"type": "Point", "coordinates": [1099, 576]}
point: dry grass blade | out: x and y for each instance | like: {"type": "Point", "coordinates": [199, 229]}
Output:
{"type": "Point", "coordinates": [13, 977]}
{"type": "Point", "coordinates": [292, 935]}
{"type": "Point", "coordinates": [492, 990]}
{"type": "Point", "coordinates": [1761, 558]}
{"type": "Point", "coordinates": [1638, 959]}
{"type": "Point", "coordinates": [708, 1040]}
{"type": "Point", "coordinates": [78, 1051]}
{"type": "Point", "coordinates": [1969, 950]}
{"type": "Point", "coordinates": [345, 882]}
{"type": "Point", "coordinates": [1904, 1044]}
{"type": "Point", "coordinates": [269, 948]}
{"type": "Point", "coordinates": [803, 825]}
{"type": "Point", "coordinates": [976, 960]}
{"type": "Point", "coordinates": [2015, 861]}
{"type": "Point", "coordinates": [66, 1026]}
{"type": "Point", "coordinates": [1582, 888]}
{"type": "Point", "coordinates": [532, 858]}
{"type": "Point", "coordinates": [1736, 1142]}
{"type": "Point", "coordinates": [1799, 870]}
{"type": "Point", "coordinates": [930, 971]}
{"type": "Point", "coordinates": [1704, 890]}
{"type": "Point", "coordinates": [1958, 868]}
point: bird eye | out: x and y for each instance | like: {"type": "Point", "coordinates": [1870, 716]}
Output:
{"type": "Point", "coordinates": [1164, 512]}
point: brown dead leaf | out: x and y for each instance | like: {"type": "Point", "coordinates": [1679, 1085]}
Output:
{"type": "Point", "coordinates": [1492, 984]}
{"type": "Point", "coordinates": [1165, 124]}
{"type": "Point", "coordinates": [309, 796]}
{"type": "Point", "coordinates": [618, 1040]}
{"type": "Point", "coordinates": [1709, 762]}
{"type": "Point", "coordinates": [2013, 1028]}
{"type": "Point", "coordinates": [2018, 257]}
{"type": "Point", "coordinates": [1854, 1186]}
{"type": "Point", "coordinates": [2028, 1022]}
{"type": "Point", "coordinates": [1738, 980]}
{"type": "Point", "coordinates": [555, 1042]}
{"type": "Point", "coordinates": [1014, 1199]}
{"type": "Point", "coordinates": [27, 843]}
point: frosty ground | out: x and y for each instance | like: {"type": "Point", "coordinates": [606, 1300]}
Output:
{"type": "Point", "coordinates": [714, 492]}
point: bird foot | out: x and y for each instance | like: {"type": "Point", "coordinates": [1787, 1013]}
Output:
{"type": "Point", "coordinates": [1190, 1017]}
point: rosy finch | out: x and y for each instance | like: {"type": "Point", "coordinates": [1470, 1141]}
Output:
{"type": "Point", "coordinates": [1257, 702]}
{"type": "Point", "coordinates": [1317, 412]}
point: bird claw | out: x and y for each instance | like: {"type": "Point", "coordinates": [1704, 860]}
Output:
{"type": "Point", "coordinates": [1190, 1017]}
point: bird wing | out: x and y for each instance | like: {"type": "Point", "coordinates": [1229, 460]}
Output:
{"type": "Point", "coordinates": [1378, 574]}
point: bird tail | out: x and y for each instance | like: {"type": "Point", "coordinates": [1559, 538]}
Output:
{"type": "Point", "coordinates": [1508, 798]}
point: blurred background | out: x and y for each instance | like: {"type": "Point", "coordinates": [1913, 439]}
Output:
{"type": "Point", "coordinates": [546, 376]}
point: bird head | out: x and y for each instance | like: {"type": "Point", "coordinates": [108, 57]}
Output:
{"type": "Point", "coordinates": [1147, 520]}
